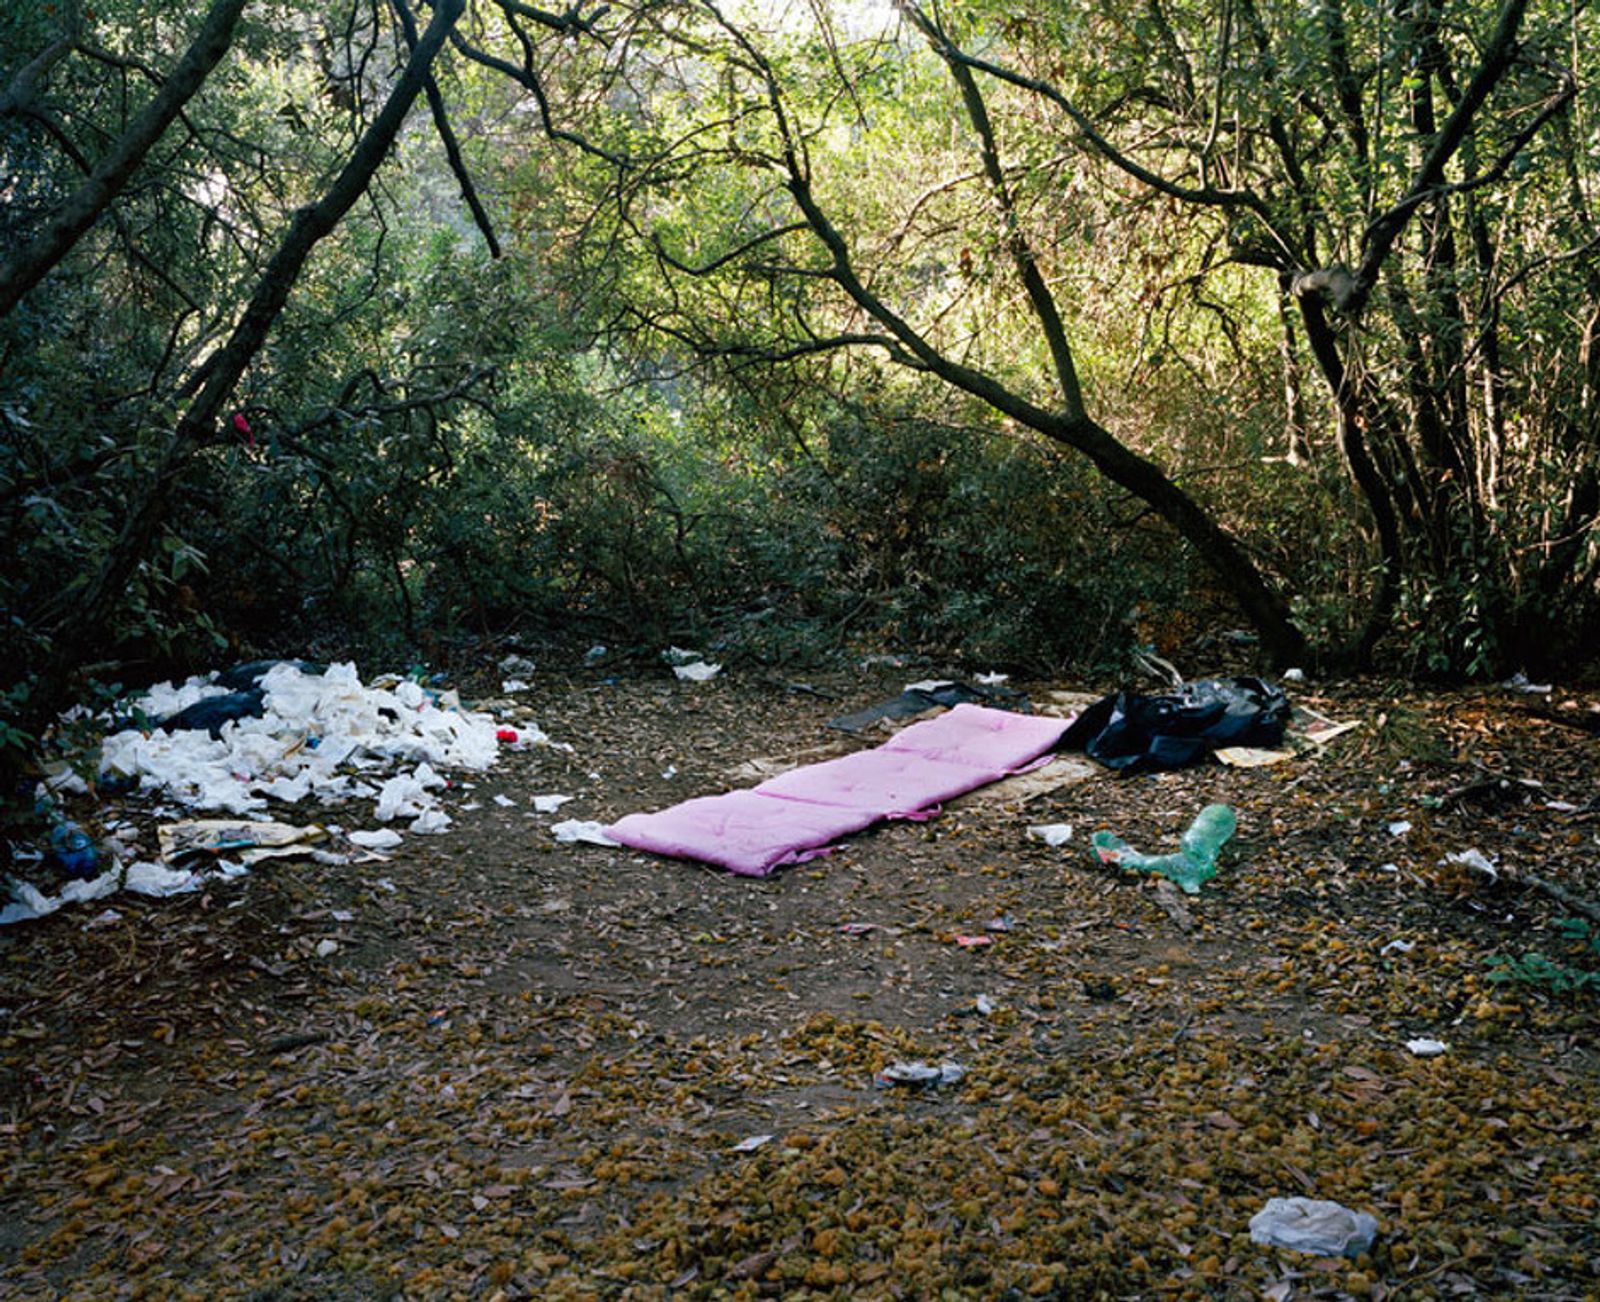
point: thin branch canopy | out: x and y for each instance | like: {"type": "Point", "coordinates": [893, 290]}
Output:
{"type": "Point", "coordinates": [224, 369]}
{"type": "Point", "coordinates": [83, 208]}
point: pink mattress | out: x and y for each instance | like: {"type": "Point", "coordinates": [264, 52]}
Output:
{"type": "Point", "coordinates": [803, 812]}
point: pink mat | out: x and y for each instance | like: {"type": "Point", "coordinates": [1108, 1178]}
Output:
{"type": "Point", "coordinates": [801, 813]}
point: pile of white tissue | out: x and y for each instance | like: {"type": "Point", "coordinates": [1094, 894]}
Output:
{"type": "Point", "coordinates": [323, 735]}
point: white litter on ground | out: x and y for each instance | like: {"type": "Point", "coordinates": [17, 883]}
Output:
{"type": "Point", "coordinates": [31, 902]}
{"type": "Point", "coordinates": [1052, 834]}
{"type": "Point", "coordinates": [1476, 860]}
{"type": "Point", "coordinates": [142, 878]}
{"type": "Point", "coordinates": [408, 794]}
{"type": "Point", "coordinates": [1323, 1229]}
{"type": "Point", "coordinates": [698, 672]}
{"type": "Point", "coordinates": [326, 736]}
{"type": "Point", "coordinates": [1426, 1048]}
{"type": "Point", "coordinates": [577, 829]}
{"type": "Point", "coordinates": [430, 821]}
{"type": "Point", "coordinates": [690, 665]}
{"type": "Point", "coordinates": [549, 804]}
{"type": "Point", "coordinates": [314, 729]}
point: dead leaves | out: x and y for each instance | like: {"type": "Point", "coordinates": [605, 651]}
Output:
{"type": "Point", "coordinates": [527, 1073]}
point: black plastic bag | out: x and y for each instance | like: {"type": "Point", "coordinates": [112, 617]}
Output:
{"type": "Point", "coordinates": [212, 712]}
{"type": "Point", "coordinates": [241, 678]}
{"type": "Point", "coordinates": [1130, 732]}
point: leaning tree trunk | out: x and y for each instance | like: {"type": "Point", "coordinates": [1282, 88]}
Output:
{"type": "Point", "coordinates": [221, 373]}
{"type": "Point", "coordinates": [1072, 426]}
{"type": "Point", "coordinates": [73, 219]}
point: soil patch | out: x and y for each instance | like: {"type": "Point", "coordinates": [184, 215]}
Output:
{"type": "Point", "coordinates": [524, 1069]}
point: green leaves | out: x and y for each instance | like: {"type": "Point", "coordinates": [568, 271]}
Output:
{"type": "Point", "coordinates": [1534, 969]}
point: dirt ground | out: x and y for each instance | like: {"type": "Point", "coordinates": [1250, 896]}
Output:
{"type": "Point", "coordinates": [531, 1070]}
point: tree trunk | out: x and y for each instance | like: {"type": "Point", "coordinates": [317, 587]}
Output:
{"type": "Point", "coordinates": [222, 372]}
{"type": "Point", "coordinates": [73, 219]}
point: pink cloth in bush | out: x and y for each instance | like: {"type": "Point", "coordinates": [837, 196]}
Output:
{"type": "Point", "coordinates": [798, 814]}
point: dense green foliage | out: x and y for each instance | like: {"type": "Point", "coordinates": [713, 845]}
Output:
{"type": "Point", "coordinates": [1354, 239]}
{"type": "Point", "coordinates": [989, 337]}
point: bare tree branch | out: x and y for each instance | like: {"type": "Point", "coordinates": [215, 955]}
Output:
{"type": "Point", "coordinates": [530, 80]}
{"type": "Point", "coordinates": [706, 268]}
{"type": "Point", "coordinates": [570, 23]}
{"type": "Point", "coordinates": [1023, 257]}
{"type": "Point", "coordinates": [1207, 195]}
{"type": "Point", "coordinates": [447, 137]}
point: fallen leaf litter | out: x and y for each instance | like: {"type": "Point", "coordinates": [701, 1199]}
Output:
{"type": "Point", "coordinates": [523, 1069]}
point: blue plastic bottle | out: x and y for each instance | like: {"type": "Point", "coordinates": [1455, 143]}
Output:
{"type": "Point", "coordinates": [74, 850]}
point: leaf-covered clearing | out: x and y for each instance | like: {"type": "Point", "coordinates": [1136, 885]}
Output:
{"type": "Point", "coordinates": [525, 1069]}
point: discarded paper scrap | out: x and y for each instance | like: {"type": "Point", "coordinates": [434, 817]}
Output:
{"type": "Point", "coordinates": [770, 766]}
{"type": "Point", "coordinates": [1250, 757]}
{"type": "Point", "coordinates": [1308, 728]}
{"type": "Point", "coordinates": [1020, 788]}
{"type": "Point", "coordinates": [1308, 732]}
{"type": "Point", "coordinates": [1065, 705]}
{"type": "Point", "coordinates": [581, 831]}
{"type": "Point", "coordinates": [698, 672]}
{"type": "Point", "coordinates": [249, 842]}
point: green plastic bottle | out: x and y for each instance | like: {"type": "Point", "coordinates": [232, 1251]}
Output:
{"type": "Point", "coordinates": [1210, 831]}
{"type": "Point", "coordinates": [1195, 863]}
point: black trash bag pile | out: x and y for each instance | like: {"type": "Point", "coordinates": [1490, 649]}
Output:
{"type": "Point", "coordinates": [246, 698]}
{"type": "Point", "coordinates": [1132, 733]}
{"type": "Point", "coordinates": [210, 714]}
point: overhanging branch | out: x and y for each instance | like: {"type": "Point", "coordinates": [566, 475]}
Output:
{"type": "Point", "coordinates": [1205, 195]}
{"type": "Point", "coordinates": [733, 255]}
{"type": "Point", "coordinates": [1382, 233]}
{"type": "Point", "coordinates": [447, 137]}
{"type": "Point", "coordinates": [72, 220]}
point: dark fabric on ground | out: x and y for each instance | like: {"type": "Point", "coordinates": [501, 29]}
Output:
{"type": "Point", "coordinates": [917, 701]}
{"type": "Point", "coordinates": [211, 713]}
{"type": "Point", "coordinates": [243, 677]}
